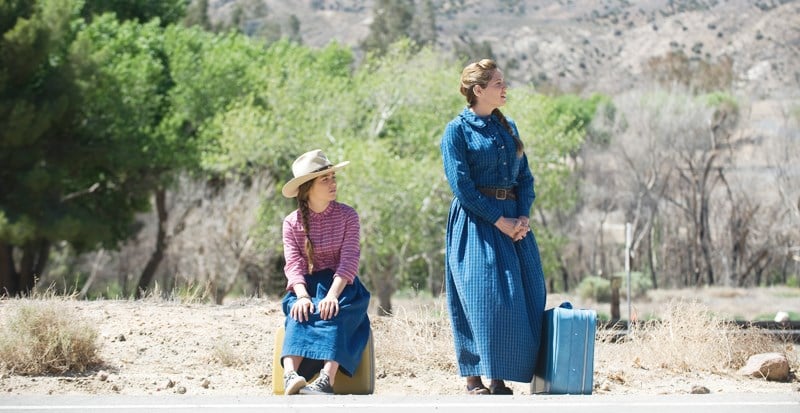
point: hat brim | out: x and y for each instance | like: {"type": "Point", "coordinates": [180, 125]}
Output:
{"type": "Point", "coordinates": [290, 189]}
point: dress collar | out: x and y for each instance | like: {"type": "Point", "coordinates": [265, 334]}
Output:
{"type": "Point", "coordinates": [475, 120]}
{"type": "Point", "coordinates": [327, 211]}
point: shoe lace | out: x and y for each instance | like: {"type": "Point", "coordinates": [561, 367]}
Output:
{"type": "Point", "coordinates": [322, 383]}
{"type": "Point", "coordinates": [289, 376]}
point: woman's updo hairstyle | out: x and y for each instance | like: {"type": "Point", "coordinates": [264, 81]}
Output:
{"type": "Point", "coordinates": [479, 74]}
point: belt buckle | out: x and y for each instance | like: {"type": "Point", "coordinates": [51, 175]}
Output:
{"type": "Point", "coordinates": [499, 191]}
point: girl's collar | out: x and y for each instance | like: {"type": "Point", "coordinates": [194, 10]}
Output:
{"type": "Point", "coordinates": [326, 211]}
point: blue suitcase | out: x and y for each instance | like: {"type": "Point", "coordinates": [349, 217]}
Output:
{"type": "Point", "coordinates": [566, 355]}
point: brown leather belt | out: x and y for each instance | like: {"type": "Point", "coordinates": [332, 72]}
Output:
{"type": "Point", "coordinates": [499, 193]}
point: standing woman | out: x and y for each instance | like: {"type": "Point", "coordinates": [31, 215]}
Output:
{"type": "Point", "coordinates": [326, 304]}
{"type": "Point", "coordinates": [495, 284]}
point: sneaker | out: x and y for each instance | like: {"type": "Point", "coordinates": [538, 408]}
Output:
{"type": "Point", "coordinates": [293, 382]}
{"type": "Point", "coordinates": [320, 386]}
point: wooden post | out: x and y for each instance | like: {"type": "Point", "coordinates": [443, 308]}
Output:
{"type": "Point", "coordinates": [616, 283]}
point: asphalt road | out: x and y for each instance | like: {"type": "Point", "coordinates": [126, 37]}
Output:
{"type": "Point", "coordinates": [684, 403]}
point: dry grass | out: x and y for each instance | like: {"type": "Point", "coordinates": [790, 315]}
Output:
{"type": "Point", "coordinates": [49, 336]}
{"type": "Point", "coordinates": [225, 354]}
{"type": "Point", "coordinates": [419, 336]}
{"type": "Point", "coordinates": [687, 338]}
{"type": "Point", "coordinates": [211, 349]}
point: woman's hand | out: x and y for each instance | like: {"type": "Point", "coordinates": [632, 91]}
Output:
{"type": "Point", "coordinates": [329, 307]}
{"type": "Point", "coordinates": [508, 226]}
{"type": "Point", "coordinates": [301, 309]}
{"type": "Point", "coordinates": [521, 229]}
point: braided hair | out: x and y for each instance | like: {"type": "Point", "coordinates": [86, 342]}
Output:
{"type": "Point", "coordinates": [302, 206]}
{"type": "Point", "coordinates": [480, 73]}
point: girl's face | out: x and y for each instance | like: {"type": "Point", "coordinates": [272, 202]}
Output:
{"type": "Point", "coordinates": [324, 188]}
{"type": "Point", "coordinates": [494, 94]}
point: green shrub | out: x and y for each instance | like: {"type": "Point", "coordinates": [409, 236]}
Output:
{"type": "Point", "coordinates": [640, 284]}
{"type": "Point", "coordinates": [595, 288]}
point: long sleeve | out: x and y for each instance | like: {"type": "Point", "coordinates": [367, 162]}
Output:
{"type": "Point", "coordinates": [294, 252]}
{"type": "Point", "coordinates": [457, 171]}
{"type": "Point", "coordinates": [350, 255]}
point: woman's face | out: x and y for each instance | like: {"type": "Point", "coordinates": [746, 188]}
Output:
{"type": "Point", "coordinates": [494, 94]}
{"type": "Point", "coordinates": [323, 188]}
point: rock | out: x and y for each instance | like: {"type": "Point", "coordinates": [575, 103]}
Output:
{"type": "Point", "coordinates": [697, 389]}
{"type": "Point", "coordinates": [169, 384]}
{"type": "Point", "coordinates": [770, 366]}
{"type": "Point", "coordinates": [180, 390]}
{"type": "Point", "coordinates": [781, 317]}
{"type": "Point", "coordinates": [205, 383]}
{"type": "Point", "coordinates": [121, 337]}
{"type": "Point", "coordinates": [102, 375]}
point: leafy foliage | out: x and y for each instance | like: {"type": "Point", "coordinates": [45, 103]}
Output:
{"type": "Point", "coordinates": [166, 12]}
{"type": "Point", "coordinates": [100, 112]}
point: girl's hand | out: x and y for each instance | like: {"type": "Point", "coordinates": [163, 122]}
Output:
{"type": "Point", "coordinates": [302, 309]}
{"type": "Point", "coordinates": [329, 307]}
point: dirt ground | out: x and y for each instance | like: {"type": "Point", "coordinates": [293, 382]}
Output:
{"type": "Point", "coordinates": [164, 347]}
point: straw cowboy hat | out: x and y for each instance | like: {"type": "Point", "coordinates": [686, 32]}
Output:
{"type": "Point", "coordinates": [307, 167]}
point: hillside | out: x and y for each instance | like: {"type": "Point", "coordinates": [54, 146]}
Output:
{"type": "Point", "coordinates": [586, 45]}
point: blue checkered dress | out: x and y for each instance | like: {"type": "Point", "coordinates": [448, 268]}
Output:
{"type": "Point", "coordinates": [495, 287]}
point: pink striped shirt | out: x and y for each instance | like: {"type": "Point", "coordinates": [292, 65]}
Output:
{"type": "Point", "coordinates": [336, 240]}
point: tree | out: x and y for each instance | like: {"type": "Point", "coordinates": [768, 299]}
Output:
{"type": "Point", "coordinates": [298, 98]}
{"type": "Point", "coordinates": [423, 30]}
{"type": "Point", "coordinates": [391, 21]}
{"type": "Point", "coordinates": [627, 170]}
{"type": "Point", "coordinates": [787, 236]}
{"type": "Point", "coordinates": [197, 15]}
{"type": "Point", "coordinates": [669, 155]}
{"type": "Point", "coordinates": [192, 99]}
{"type": "Point", "coordinates": [78, 132]}
{"type": "Point", "coordinates": [41, 198]}
{"type": "Point", "coordinates": [402, 98]}
{"type": "Point", "coordinates": [166, 11]}
{"type": "Point", "coordinates": [553, 131]}
{"type": "Point", "coordinates": [295, 33]}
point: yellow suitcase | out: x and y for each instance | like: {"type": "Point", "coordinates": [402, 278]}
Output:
{"type": "Point", "coordinates": [362, 382]}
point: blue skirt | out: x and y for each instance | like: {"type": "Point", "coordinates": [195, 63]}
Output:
{"type": "Point", "coordinates": [341, 339]}
{"type": "Point", "coordinates": [495, 295]}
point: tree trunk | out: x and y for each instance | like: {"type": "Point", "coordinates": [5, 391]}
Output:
{"type": "Point", "coordinates": [385, 285]}
{"type": "Point", "coordinates": [705, 242]}
{"type": "Point", "coordinates": [616, 283]}
{"type": "Point", "coordinates": [9, 282]}
{"type": "Point", "coordinates": [384, 301]}
{"type": "Point", "coordinates": [34, 259]}
{"type": "Point", "coordinates": [651, 261]}
{"type": "Point", "coordinates": [564, 273]}
{"type": "Point", "coordinates": [435, 281]}
{"type": "Point", "coordinates": [161, 245]}
{"type": "Point", "coordinates": [705, 226]}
